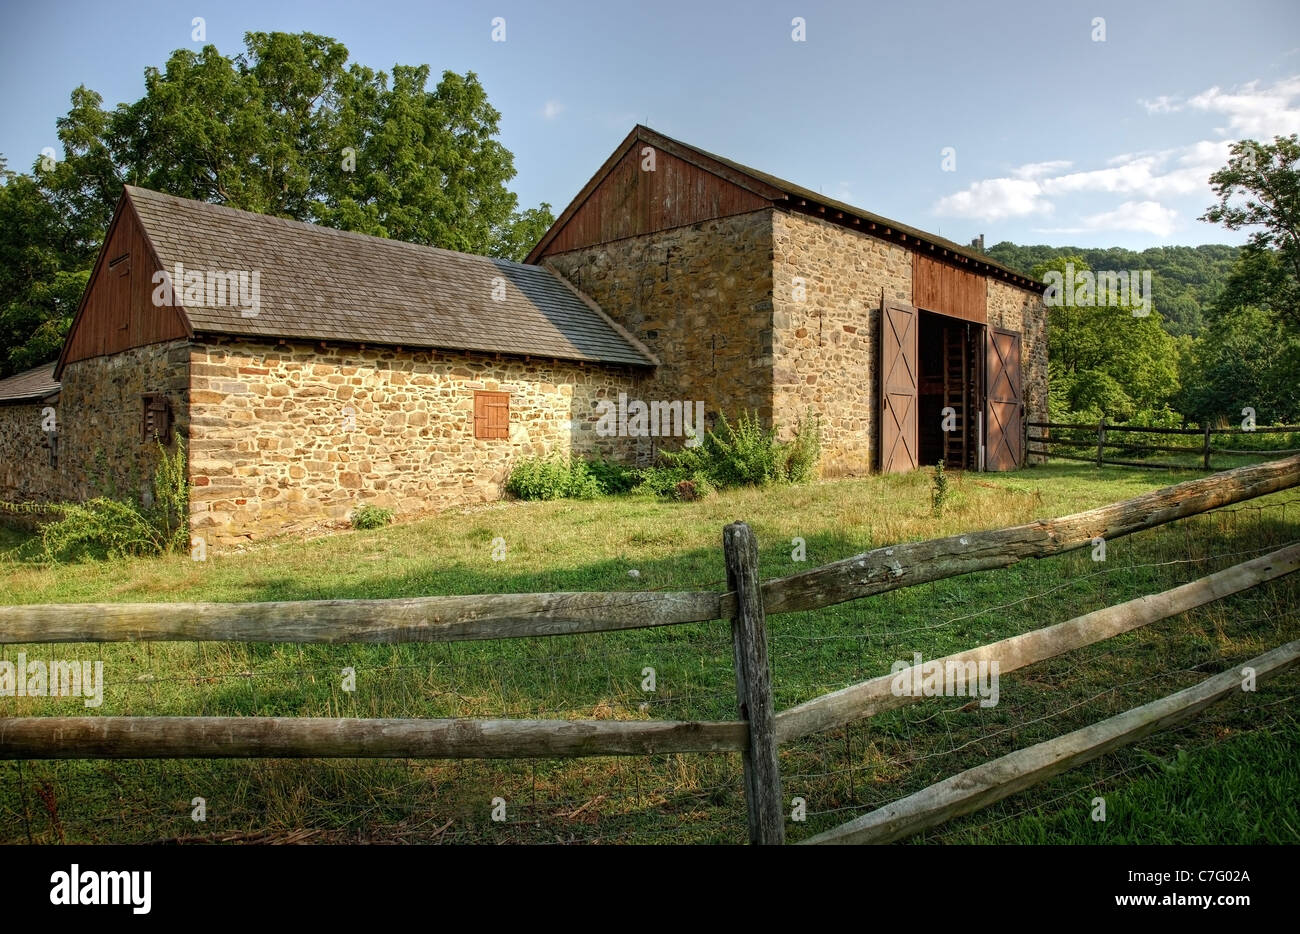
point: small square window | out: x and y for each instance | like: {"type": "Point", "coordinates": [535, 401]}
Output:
{"type": "Point", "coordinates": [492, 415]}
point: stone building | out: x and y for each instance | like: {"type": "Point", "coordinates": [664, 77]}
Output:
{"type": "Point", "coordinates": [756, 293]}
{"type": "Point", "coordinates": [310, 370]}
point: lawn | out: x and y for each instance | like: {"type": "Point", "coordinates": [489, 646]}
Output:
{"type": "Point", "coordinates": [1200, 770]}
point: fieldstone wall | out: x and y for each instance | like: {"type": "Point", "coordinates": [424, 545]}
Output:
{"type": "Point", "coordinates": [289, 437]}
{"type": "Point", "coordinates": [25, 472]}
{"type": "Point", "coordinates": [1017, 310]}
{"type": "Point", "coordinates": [700, 297]}
{"type": "Point", "coordinates": [101, 451]}
{"type": "Point", "coordinates": [828, 282]}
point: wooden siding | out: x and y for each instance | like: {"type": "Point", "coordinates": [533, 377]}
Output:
{"type": "Point", "coordinates": [117, 312]}
{"type": "Point", "coordinates": [631, 201]}
{"type": "Point", "coordinates": [948, 290]}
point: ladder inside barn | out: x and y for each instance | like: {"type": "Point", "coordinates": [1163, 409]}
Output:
{"type": "Point", "coordinates": [956, 377]}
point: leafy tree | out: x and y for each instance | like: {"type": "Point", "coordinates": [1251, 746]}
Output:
{"type": "Point", "coordinates": [1260, 187]}
{"type": "Point", "coordinates": [287, 128]}
{"type": "Point", "coordinates": [1246, 357]}
{"type": "Point", "coordinates": [1105, 361]}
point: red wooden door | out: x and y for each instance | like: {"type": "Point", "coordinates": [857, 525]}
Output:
{"type": "Point", "coordinates": [1003, 435]}
{"type": "Point", "coordinates": [897, 413]}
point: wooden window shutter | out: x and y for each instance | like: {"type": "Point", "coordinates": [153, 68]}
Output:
{"type": "Point", "coordinates": [156, 418]}
{"type": "Point", "coordinates": [492, 415]}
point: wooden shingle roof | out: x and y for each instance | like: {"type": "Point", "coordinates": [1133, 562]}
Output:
{"type": "Point", "coordinates": [319, 283]}
{"type": "Point", "coordinates": [30, 386]}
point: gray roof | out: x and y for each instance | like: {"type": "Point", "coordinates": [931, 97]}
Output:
{"type": "Point", "coordinates": [30, 385]}
{"type": "Point", "coordinates": [324, 284]}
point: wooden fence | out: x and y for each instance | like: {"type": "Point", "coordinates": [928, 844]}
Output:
{"type": "Point", "coordinates": [1102, 433]}
{"type": "Point", "coordinates": [757, 732]}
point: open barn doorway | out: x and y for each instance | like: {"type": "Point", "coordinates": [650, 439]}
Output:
{"type": "Point", "coordinates": [950, 357]}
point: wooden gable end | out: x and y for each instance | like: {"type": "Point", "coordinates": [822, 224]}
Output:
{"type": "Point", "coordinates": [117, 310]}
{"type": "Point", "coordinates": [632, 198]}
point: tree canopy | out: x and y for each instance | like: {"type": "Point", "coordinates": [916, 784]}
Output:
{"type": "Point", "coordinates": [288, 127]}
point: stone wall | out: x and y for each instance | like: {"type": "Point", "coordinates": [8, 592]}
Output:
{"type": "Point", "coordinates": [700, 297]}
{"type": "Point", "coordinates": [1017, 310]}
{"type": "Point", "coordinates": [825, 335]}
{"type": "Point", "coordinates": [101, 451]}
{"type": "Point", "coordinates": [292, 438]}
{"type": "Point", "coordinates": [25, 471]}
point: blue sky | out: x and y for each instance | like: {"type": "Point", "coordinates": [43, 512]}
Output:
{"type": "Point", "coordinates": [1058, 138]}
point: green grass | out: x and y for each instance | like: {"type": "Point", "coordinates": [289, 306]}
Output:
{"type": "Point", "coordinates": [565, 545]}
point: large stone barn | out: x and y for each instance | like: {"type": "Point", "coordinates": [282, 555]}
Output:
{"type": "Point", "coordinates": [756, 293]}
{"type": "Point", "coordinates": [309, 370]}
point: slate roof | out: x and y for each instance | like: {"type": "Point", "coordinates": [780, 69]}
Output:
{"type": "Point", "coordinates": [30, 385]}
{"type": "Point", "coordinates": [324, 284]}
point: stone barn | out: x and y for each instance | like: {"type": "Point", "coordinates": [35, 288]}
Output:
{"type": "Point", "coordinates": [309, 370]}
{"type": "Point", "coordinates": [758, 294]}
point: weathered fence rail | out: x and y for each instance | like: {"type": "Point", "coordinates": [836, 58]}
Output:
{"type": "Point", "coordinates": [868, 698]}
{"type": "Point", "coordinates": [512, 616]}
{"type": "Point", "coordinates": [757, 732]}
{"type": "Point", "coordinates": [1101, 439]}
{"type": "Point", "coordinates": [992, 781]}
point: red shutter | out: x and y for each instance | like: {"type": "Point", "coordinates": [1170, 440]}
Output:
{"type": "Point", "coordinates": [492, 415]}
{"type": "Point", "coordinates": [898, 327]}
{"type": "Point", "coordinates": [1003, 438]}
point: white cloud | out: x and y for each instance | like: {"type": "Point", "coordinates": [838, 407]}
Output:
{"type": "Point", "coordinates": [995, 198]}
{"type": "Point", "coordinates": [1251, 110]}
{"type": "Point", "coordinates": [552, 110]}
{"type": "Point", "coordinates": [1039, 169]}
{"type": "Point", "coordinates": [1255, 111]}
{"type": "Point", "coordinates": [1130, 217]}
{"type": "Point", "coordinates": [1164, 104]}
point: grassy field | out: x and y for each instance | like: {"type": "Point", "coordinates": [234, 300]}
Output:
{"type": "Point", "coordinates": [1232, 776]}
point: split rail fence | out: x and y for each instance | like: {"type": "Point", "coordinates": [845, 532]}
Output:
{"type": "Point", "coordinates": [759, 729]}
{"type": "Point", "coordinates": [1101, 437]}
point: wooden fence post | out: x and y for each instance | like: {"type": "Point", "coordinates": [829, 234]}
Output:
{"type": "Point", "coordinates": [1206, 446]}
{"type": "Point", "coordinates": [754, 687]}
{"type": "Point", "coordinates": [1101, 439]}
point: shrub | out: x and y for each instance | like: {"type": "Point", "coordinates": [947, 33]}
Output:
{"type": "Point", "coordinates": [939, 491]}
{"type": "Point", "coordinates": [552, 478]}
{"type": "Point", "coordinates": [371, 517]}
{"type": "Point", "coordinates": [109, 528]}
{"type": "Point", "coordinates": [612, 477]}
{"type": "Point", "coordinates": [740, 454]}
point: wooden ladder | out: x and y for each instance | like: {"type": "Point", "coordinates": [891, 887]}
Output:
{"type": "Point", "coordinates": [955, 451]}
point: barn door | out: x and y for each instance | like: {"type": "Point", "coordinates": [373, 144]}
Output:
{"type": "Point", "coordinates": [898, 439]}
{"type": "Point", "coordinates": [1003, 436]}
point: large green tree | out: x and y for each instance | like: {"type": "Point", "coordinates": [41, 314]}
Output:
{"type": "Point", "coordinates": [1259, 188]}
{"type": "Point", "coordinates": [1104, 360]}
{"type": "Point", "coordinates": [289, 127]}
